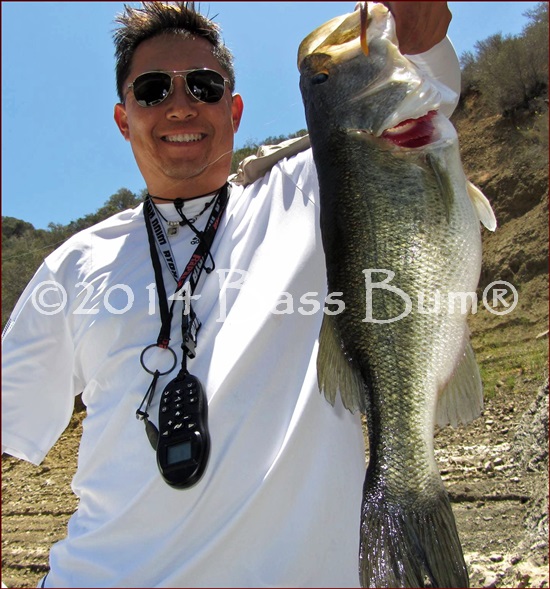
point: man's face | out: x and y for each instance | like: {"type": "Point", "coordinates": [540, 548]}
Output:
{"type": "Point", "coordinates": [183, 147]}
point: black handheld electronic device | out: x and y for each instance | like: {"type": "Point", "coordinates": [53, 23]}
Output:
{"type": "Point", "coordinates": [184, 441]}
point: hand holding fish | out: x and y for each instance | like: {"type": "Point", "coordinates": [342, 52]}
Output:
{"type": "Point", "coordinates": [419, 25]}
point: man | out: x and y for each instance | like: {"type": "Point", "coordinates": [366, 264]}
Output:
{"type": "Point", "coordinates": [267, 491]}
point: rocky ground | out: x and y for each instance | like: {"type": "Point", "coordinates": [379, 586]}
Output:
{"type": "Point", "coordinates": [495, 469]}
{"type": "Point", "coordinates": [496, 472]}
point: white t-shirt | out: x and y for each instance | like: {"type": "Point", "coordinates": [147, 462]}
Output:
{"type": "Point", "coordinates": [279, 503]}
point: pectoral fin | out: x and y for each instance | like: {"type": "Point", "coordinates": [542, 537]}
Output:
{"type": "Point", "coordinates": [482, 206]}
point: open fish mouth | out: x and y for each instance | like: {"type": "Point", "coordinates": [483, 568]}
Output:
{"type": "Point", "coordinates": [413, 133]}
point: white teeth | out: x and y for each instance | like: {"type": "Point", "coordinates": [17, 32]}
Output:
{"type": "Point", "coordinates": [186, 138]}
{"type": "Point", "coordinates": [399, 130]}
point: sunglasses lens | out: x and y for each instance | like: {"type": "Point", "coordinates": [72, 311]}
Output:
{"type": "Point", "coordinates": [206, 85]}
{"type": "Point", "coordinates": [151, 88]}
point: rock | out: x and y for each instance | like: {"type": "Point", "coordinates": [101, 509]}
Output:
{"type": "Point", "coordinates": [490, 581]}
{"type": "Point", "coordinates": [515, 559]}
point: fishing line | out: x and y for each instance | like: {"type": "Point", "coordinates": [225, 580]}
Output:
{"type": "Point", "coordinates": [306, 196]}
{"type": "Point", "coordinates": [34, 251]}
{"type": "Point", "coordinates": [181, 180]}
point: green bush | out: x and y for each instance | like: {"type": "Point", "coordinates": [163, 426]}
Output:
{"type": "Point", "coordinates": [510, 71]}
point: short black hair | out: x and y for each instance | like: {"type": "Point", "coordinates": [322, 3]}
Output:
{"type": "Point", "coordinates": [161, 18]}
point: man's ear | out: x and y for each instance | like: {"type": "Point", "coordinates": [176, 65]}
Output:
{"type": "Point", "coordinates": [237, 107]}
{"type": "Point", "coordinates": [122, 121]}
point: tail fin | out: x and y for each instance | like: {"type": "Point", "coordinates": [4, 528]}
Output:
{"type": "Point", "coordinates": [404, 545]}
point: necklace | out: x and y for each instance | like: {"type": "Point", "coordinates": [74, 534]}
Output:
{"type": "Point", "coordinates": [173, 226]}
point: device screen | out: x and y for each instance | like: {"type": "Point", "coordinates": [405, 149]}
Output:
{"type": "Point", "coordinates": [179, 452]}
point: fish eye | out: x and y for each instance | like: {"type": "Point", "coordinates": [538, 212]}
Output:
{"type": "Point", "coordinates": [319, 78]}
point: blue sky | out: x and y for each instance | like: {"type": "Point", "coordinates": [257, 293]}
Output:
{"type": "Point", "coordinates": [62, 155]}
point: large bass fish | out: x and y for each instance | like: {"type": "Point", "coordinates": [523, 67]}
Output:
{"type": "Point", "coordinates": [401, 234]}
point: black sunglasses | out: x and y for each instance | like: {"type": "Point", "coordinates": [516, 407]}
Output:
{"type": "Point", "coordinates": [152, 88]}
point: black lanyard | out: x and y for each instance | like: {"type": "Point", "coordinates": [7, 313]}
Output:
{"type": "Point", "coordinates": [193, 270]}
{"type": "Point", "coordinates": [190, 325]}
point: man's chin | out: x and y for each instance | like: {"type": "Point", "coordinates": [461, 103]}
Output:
{"type": "Point", "coordinates": [197, 180]}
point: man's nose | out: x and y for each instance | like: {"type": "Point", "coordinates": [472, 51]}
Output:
{"type": "Point", "coordinates": [180, 103]}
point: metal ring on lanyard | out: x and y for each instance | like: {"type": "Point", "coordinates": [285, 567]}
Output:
{"type": "Point", "coordinates": [151, 371]}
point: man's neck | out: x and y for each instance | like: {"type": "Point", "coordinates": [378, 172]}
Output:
{"type": "Point", "coordinates": [163, 199]}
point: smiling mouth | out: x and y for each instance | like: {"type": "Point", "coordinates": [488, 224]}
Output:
{"type": "Point", "coordinates": [183, 138]}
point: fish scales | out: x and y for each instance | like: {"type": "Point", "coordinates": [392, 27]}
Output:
{"type": "Point", "coordinates": [397, 216]}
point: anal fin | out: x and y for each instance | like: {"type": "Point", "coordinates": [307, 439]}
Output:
{"type": "Point", "coordinates": [462, 399]}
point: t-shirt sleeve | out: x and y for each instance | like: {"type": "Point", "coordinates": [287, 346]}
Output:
{"type": "Point", "coordinates": [443, 67]}
{"type": "Point", "coordinates": [38, 376]}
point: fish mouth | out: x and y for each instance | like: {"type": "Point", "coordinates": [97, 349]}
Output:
{"type": "Point", "coordinates": [413, 133]}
